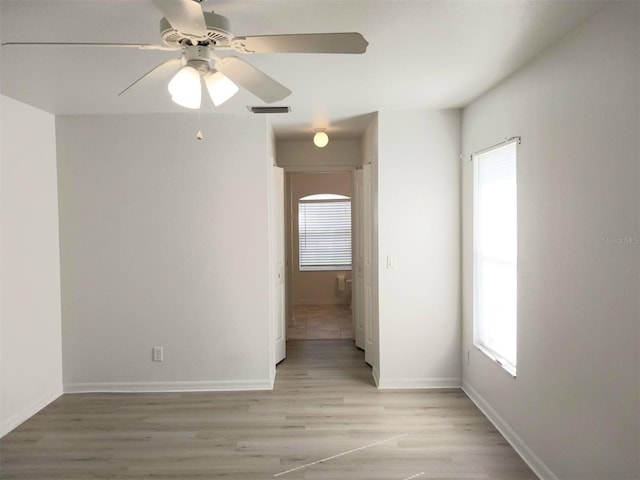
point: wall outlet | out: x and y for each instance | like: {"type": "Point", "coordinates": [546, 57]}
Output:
{"type": "Point", "coordinates": [157, 354]}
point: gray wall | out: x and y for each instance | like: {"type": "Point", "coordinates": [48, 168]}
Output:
{"type": "Point", "coordinates": [164, 242]}
{"type": "Point", "coordinates": [573, 408]}
{"type": "Point", "coordinates": [418, 208]}
{"type": "Point", "coordinates": [30, 337]}
{"type": "Point", "coordinates": [303, 154]}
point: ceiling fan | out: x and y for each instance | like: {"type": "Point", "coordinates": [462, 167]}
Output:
{"type": "Point", "coordinates": [199, 35]}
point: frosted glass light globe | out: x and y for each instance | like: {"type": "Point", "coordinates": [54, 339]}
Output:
{"type": "Point", "coordinates": [320, 139]}
{"type": "Point", "coordinates": [185, 88]}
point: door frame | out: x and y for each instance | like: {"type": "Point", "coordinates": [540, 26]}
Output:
{"type": "Point", "coordinates": [288, 225]}
{"type": "Point", "coordinates": [278, 285]}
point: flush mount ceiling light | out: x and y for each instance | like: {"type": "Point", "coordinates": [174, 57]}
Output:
{"type": "Point", "coordinates": [320, 139]}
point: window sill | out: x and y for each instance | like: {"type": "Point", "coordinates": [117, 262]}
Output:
{"type": "Point", "coordinates": [496, 359]}
{"type": "Point", "coordinates": [329, 268]}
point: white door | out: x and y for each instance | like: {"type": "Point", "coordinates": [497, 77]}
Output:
{"type": "Point", "coordinates": [367, 234]}
{"type": "Point", "coordinates": [357, 288]}
{"type": "Point", "coordinates": [277, 232]}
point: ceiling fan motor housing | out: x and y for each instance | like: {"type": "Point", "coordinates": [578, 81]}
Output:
{"type": "Point", "coordinates": [218, 32]}
{"type": "Point", "coordinates": [198, 57]}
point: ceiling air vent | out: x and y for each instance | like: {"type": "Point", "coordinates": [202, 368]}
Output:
{"type": "Point", "coordinates": [269, 109]}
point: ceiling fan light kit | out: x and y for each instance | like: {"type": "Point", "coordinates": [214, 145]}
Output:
{"type": "Point", "coordinates": [184, 88]}
{"type": "Point", "coordinates": [220, 87]}
{"type": "Point", "coordinates": [199, 35]}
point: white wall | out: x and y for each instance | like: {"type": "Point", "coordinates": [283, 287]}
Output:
{"type": "Point", "coordinates": [418, 224]}
{"type": "Point", "coordinates": [165, 242]}
{"type": "Point", "coordinates": [30, 338]}
{"type": "Point", "coordinates": [303, 154]}
{"type": "Point", "coordinates": [573, 409]}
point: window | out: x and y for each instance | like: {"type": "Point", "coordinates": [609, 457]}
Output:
{"type": "Point", "coordinates": [495, 255]}
{"type": "Point", "coordinates": [324, 232]}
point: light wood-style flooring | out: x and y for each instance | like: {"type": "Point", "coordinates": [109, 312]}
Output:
{"type": "Point", "coordinates": [324, 420]}
{"type": "Point", "coordinates": [320, 322]}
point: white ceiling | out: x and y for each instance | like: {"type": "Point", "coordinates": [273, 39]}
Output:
{"type": "Point", "coordinates": [422, 54]}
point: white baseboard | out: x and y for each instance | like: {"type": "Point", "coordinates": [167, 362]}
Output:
{"type": "Point", "coordinates": [29, 411]}
{"type": "Point", "coordinates": [539, 468]}
{"type": "Point", "coordinates": [141, 387]}
{"type": "Point", "coordinates": [417, 383]}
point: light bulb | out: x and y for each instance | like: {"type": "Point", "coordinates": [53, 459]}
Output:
{"type": "Point", "coordinates": [320, 139]}
{"type": "Point", "coordinates": [220, 87]}
{"type": "Point", "coordinates": [185, 88]}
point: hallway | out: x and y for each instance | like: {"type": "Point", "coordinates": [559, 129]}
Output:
{"type": "Point", "coordinates": [320, 322]}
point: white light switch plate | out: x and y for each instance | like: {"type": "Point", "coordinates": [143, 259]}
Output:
{"type": "Point", "coordinates": [157, 354]}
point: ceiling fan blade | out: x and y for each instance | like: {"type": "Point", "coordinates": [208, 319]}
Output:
{"type": "Point", "coordinates": [252, 79]}
{"type": "Point", "coordinates": [351, 42]}
{"type": "Point", "coordinates": [163, 70]}
{"type": "Point", "coordinates": [140, 46]}
{"type": "Point", "coordinates": [184, 15]}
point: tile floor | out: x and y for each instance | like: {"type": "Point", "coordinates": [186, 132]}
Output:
{"type": "Point", "coordinates": [320, 322]}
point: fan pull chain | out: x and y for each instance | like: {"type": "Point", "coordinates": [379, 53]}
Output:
{"type": "Point", "coordinates": [199, 135]}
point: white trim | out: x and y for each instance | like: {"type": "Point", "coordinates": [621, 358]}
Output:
{"type": "Point", "coordinates": [504, 143]}
{"type": "Point", "coordinates": [325, 268]}
{"type": "Point", "coordinates": [530, 458]}
{"type": "Point", "coordinates": [15, 420]}
{"type": "Point", "coordinates": [418, 383]}
{"type": "Point", "coordinates": [204, 386]}
{"type": "Point", "coordinates": [323, 197]}
{"type": "Point", "coordinates": [495, 358]}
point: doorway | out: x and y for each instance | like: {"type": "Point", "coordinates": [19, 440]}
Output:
{"type": "Point", "coordinates": [319, 283]}
{"type": "Point", "coordinates": [321, 322]}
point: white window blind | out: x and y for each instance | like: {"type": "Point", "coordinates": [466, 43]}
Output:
{"type": "Point", "coordinates": [495, 254]}
{"type": "Point", "coordinates": [324, 230]}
